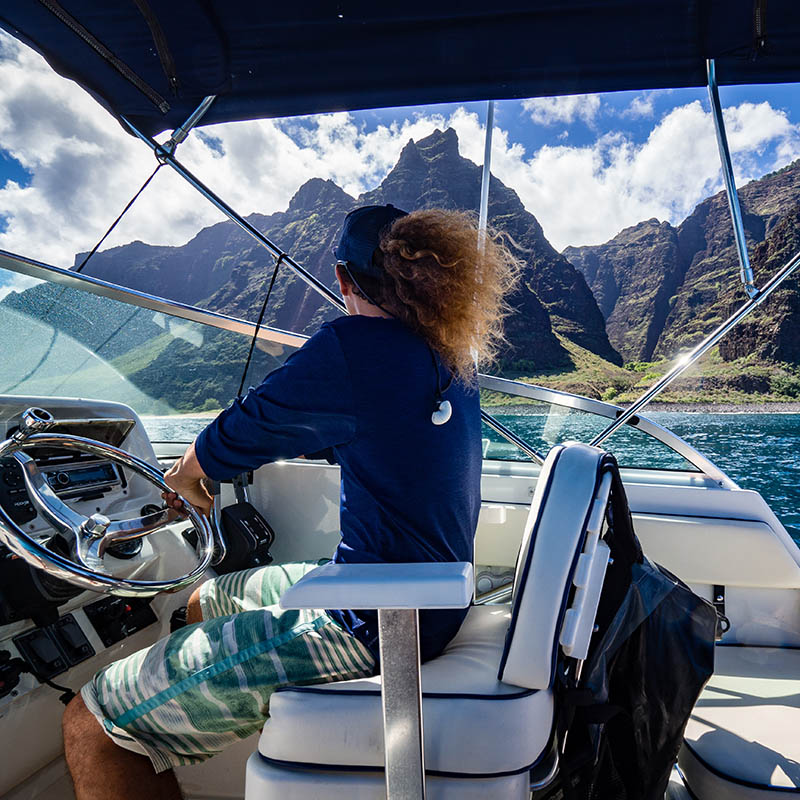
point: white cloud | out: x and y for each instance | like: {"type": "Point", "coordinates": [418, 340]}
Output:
{"type": "Point", "coordinates": [85, 168]}
{"type": "Point", "coordinates": [563, 110]}
{"type": "Point", "coordinates": [587, 194]}
{"type": "Point", "coordinates": [640, 107]}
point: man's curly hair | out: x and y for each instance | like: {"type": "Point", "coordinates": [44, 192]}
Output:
{"type": "Point", "coordinates": [446, 282]}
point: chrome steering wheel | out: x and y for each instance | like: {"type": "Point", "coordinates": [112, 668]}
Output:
{"type": "Point", "coordinates": [88, 538]}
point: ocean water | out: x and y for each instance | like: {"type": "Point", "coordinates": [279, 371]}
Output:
{"type": "Point", "coordinates": [757, 451]}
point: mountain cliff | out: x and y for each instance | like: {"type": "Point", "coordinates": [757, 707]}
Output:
{"type": "Point", "coordinates": [555, 321]}
{"type": "Point", "coordinates": [225, 270]}
{"type": "Point", "coordinates": [632, 277]}
{"type": "Point", "coordinates": [772, 334]}
{"type": "Point", "coordinates": [662, 288]}
{"type": "Point", "coordinates": [553, 296]}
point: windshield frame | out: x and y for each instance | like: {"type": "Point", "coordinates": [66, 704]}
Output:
{"type": "Point", "coordinates": [612, 412]}
{"type": "Point", "coordinates": [86, 283]}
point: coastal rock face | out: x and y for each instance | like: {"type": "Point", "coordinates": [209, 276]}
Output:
{"type": "Point", "coordinates": [224, 270]}
{"type": "Point", "coordinates": [663, 288]}
{"type": "Point", "coordinates": [632, 277]}
{"type": "Point", "coordinates": [772, 333]}
{"type": "Point", "coordinates": [553, 296]}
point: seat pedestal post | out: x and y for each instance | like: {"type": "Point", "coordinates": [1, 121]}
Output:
{"type": "Point", "coordinates": [401, 696]}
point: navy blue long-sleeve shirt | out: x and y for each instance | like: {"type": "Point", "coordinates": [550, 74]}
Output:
{"type": "Point", "coordinates": [365, 387]}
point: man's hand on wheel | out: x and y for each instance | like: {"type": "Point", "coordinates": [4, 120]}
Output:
{"type": "Point", "coordinates": [185, 478]}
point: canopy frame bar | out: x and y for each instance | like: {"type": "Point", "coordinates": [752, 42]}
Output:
{"type": "Point", "coordinates": [687, 360]}
{"type": "Point", "coordinates": [181, 132]}
{"type": "Point", "coordinates": [745, 270]}
{"type": "Point", "coordinates": [168, 158]}
{"type": "Point", "coordinates": [486, 174]}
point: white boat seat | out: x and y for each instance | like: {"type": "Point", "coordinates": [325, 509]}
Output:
{"type": "Point", "coordinates": [743, 738]}
{"type": "Point", "coordinates": [468, 730]}
{"type": "Point", "coordinates": [488, 710]}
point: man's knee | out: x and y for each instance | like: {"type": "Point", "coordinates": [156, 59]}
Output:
{"type": "Point", "coordinates": [193, 611]}
{"type": "Point", "coordinates": [78, 722]}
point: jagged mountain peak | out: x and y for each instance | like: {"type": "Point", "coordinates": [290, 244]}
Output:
{"type": "Point", "coordinates": [439, 143]}
{"type": "Point", "coordinates": [222, 269]}
{"type": "Point", "coordinates": [317, 192]}
{"type": "Point", "coordinates": [432, 173]}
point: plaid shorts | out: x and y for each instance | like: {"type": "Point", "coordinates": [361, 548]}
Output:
{"type": "Point", "coordinates": [208, 685]}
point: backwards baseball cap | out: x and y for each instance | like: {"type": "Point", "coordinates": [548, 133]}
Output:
{"type": "Point", "coordinates": [361, 235]}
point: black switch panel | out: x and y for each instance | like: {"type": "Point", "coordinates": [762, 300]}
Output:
{"type": "Point", "coordinates": [71, 639]}
{"type": "Point", "coordinates": [41, 652]}
{"type": "Point", "coordinates": [55, 648]}
{"type": "Point", "coordinates": [114, 618]}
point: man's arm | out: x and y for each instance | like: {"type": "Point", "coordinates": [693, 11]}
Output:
{"type": "Point", "coordinates": [185, 478]}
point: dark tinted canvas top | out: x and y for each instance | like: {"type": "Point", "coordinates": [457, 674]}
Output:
{"type": "Point", "coordinates": [153, 61]}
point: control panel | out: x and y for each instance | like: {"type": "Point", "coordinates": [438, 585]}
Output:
{"type": "Point", "coordinates": [54, 648]}
{"type": "Point", "coordinates": [13, 494]}
{"type": "Point", "coordinates": [75, 475]}
{"type": "Point", "coordinates": [114, 618]}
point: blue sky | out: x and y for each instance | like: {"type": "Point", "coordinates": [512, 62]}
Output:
{"type": "Point", "coordinates": [586, 167]}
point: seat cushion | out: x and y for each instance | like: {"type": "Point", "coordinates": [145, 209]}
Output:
{"type": "Point", "coordinates": [554, 536]}
{"type": "Point", "coordinates": [474, 725]}
{"type": "Point", "coordinates": [745, 728]}
{"type": "Point", "coordinates": [265, 781]}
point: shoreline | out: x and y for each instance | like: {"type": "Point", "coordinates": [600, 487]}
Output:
{"type": "Point", "coordinates": [782, 407]}
{"type": "Point", "coordinates": [787, 407]}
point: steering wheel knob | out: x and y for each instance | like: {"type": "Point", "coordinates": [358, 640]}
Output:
{"type": "Point", "coordinates": [34, 420]}
{"type": "Point", "coordinates": [96, 525]}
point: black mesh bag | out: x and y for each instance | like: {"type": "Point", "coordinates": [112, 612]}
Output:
{"type": "Point", "coordinates": [621, 722]}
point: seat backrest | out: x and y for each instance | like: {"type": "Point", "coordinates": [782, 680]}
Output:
{"type": "Point", "coordinates": [561, 562]}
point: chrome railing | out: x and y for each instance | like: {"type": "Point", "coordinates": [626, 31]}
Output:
{"type": "Point", "coordinates": [609, 411]}
{"type": "Point", "coordinates": [86, 283]}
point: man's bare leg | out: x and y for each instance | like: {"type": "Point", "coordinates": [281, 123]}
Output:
{"type": "Point", "coordinates": [101, 770]}
{"type": "Point", "coordinates": [193, 611]}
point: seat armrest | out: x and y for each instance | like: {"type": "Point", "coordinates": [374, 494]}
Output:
{"type": "Point", "coordinates": [424, 585]}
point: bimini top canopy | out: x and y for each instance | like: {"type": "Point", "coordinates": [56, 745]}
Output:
{"type": "Point", "coordinates": [153, 61]}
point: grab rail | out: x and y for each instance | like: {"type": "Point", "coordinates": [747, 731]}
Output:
{"type": "Point", "coordinates": [609, 411]}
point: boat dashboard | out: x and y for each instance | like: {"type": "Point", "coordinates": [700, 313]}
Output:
{"type": "Point", "coordinates": [47, 625]}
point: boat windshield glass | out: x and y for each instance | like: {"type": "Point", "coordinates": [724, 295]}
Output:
{"type": "Point", "coordinates": [544, 425]}
{"type": "Point", "coordinates": [176, 374]}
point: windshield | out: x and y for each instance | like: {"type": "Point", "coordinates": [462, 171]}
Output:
{"type": "Point", "coordinates": [612, 201]}
{"type": "Point", "coordinates": [544, 425]}
{"type": "Point", "coordinates": [174, 373]}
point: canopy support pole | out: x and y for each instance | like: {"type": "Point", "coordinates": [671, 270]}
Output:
{"type": "Point", "coordinates": [745, 271]}
{"type": "Point", "coordinates": [168, 158]}
{"type": "Point", "coordinates": [483, 212]}
{"type": "Point", "coordinates": [179, 134]}
{"type": "Point", "coordinates": [687, 360]}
